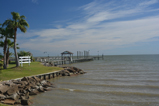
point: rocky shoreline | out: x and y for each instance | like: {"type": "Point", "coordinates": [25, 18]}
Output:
{"type": "Point", "coordinates": [19, 91]}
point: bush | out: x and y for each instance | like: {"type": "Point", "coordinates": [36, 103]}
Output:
{"type": "Point", "coordinates": [24, 53]}
{"type": "Point", "coordinates": [33, 60]}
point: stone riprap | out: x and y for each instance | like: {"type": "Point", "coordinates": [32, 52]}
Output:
{"type": "Point", "coordinates": [71, 71]}
{"type": "Point", "coordinates": [19, 91]}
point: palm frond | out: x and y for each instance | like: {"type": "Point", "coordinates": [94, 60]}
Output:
{"type": "Point", "coordinates": [22, 17]}
{"type": "Point", "coordinates": [23, 29]}
{"type": "Point", "coordinates": [7, 22]}
{"type": "Point", "coordinates": [23, 22]}
{"type": "Point", "coordinates": [9, 41]}
{"type": "Point", "coordinates": [15, 16]}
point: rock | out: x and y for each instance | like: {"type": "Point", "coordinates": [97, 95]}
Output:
{"type": "Point", "coordinates": [41, 89]}
{"type": "Point", "coordinates": [2, 97]}
{"type": "Point", "coordinates": [32, 80]}
{"type": "Point", "coordinates": [13, 89]}
{"type": "Point", "coordinates": [25, 102]}
{"type": "Point", "coordinates": [32, 84]}
{"type": "Point", "coordinates": [81, 72]}
{"type": "Point", "coordinates": [22, 92]}
{"type": "Point", "coordinates": [36, 78]}
{"type": "Point", "coordinates": [71, 70]}
{"type": "Point", "coordinates": [48, 88]}
{"type": "Point", "coordinates": [25, 79]}
{"type": "Point", "coordinates": [9, 101]}
{"type": "Point", "coordinates": [44, 82]}
{"type": "Point", "coordinates": [18, 91]}
{"type": "Point", "coordinates": [27, 87]}
{"type": "Point", "coordinates": [18, 101]}
{"type": "Point", "coordinates": [65, 73]}
{"type": "Point", "coordinates": [14, 96]}
{"type": "Point", "coordinates": [21, 84]}
{"type": "Point", "coordinates": [3, 88]}
{"type": "Point", "coordinates": [33, 92]}
{"type": "Point", "coordinates": [25, 96]}
{"type": "Point", "coordinates": [9, 83]}
{"type": "Point", "coordinates": [75, 68]}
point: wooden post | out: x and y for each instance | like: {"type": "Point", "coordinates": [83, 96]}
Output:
{"type": "Point", "coordinates": [77, 54]}
{"type": "Point", "coordinates": [49, 76]}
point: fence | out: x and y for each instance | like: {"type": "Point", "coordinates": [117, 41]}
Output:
{"type": "Point", "coordinates": [24, 59]}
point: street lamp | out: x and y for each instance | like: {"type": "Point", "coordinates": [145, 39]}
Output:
{"type": "Point", "coordinates": [48, 57]}
{"type": "Point", "coordinates": [98, 53]}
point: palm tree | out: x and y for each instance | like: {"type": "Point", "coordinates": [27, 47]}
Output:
{"type": "Point", "coordinates": [16, 22]}
{"type": "Point", "coordinates": [5, 32]}
{"type": "Point", "coordinates": [10, 44]}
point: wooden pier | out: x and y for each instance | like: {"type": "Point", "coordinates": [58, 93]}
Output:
{"type": "Point", "coordinates": [68, 58]}
{"type": "Point", "coordinates": [62, 62]}
{"type": "Point", "coordinates": [52, 62]}
{"type": "Point", "coordinates": [98, 58]}
{"type": "Point", "coordinates": [82, 60]}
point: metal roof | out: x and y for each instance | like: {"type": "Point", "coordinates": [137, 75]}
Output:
{"type": "Point", "coordinates": [66, 52]}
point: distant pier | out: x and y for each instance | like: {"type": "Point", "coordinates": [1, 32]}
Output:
{"type": "Point", "coordinates": [68, 58]}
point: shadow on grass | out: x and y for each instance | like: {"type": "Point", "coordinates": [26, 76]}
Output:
{"type": "Point", "coordinates": [12, 67]}
{"type": "Point", "coordinates": [12, 62]}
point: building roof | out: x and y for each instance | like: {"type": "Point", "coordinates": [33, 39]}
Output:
{"type": "Point", "coordinates": [66, 52]}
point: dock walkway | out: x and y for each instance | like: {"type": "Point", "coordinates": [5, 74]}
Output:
{"type": "Point", "coordinates": [54, 61]}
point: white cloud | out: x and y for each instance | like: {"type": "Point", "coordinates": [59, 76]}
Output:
{"type": "Point", "coordinates": [94, 32]}
{"type": "Point", "coordinates": [149, 2]}
{"type": "Point", "coordinates": [35, 1]}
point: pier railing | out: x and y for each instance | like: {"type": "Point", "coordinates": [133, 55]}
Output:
{"type": "Point", "coordinates": [54, 61]}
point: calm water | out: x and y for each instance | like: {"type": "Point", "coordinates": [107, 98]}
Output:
{"type": "Point", "coordinates": [131, 80]}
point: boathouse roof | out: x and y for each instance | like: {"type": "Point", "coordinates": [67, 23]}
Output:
{"type": "Point", "coordinates": [66, 52]}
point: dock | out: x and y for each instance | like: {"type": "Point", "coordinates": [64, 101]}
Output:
{"type": "Point", "coordinates": [55, 61]}
{"type": "Point", "coordinates": [68, 58]}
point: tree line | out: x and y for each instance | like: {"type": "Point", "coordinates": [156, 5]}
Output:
{"type": "Point", "coordinates": [8, 31]}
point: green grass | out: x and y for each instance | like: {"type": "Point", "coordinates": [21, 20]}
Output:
{"type": "Point", "coordinates": [4, 105]}
{"type": "Point", "coordinates": [35, 68]}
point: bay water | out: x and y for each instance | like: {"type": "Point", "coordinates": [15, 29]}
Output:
{"type": "Point", "coordinates": [120, 80]}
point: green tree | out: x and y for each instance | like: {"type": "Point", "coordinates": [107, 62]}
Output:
{"type": "Point", "coordinates": [5, 33]}
{"type": "Point", "coordinates": [24, 53]}
{"type": "Point", "coordinates": [16, 22]}
{"type": "Point", "coordinates": [1, 56]}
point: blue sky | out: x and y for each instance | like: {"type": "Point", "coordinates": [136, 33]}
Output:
{"type": "Point", "coordinates": [112, 27]}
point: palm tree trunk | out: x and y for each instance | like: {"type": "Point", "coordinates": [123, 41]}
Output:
{"type": "Point", "coordinates": [15, 49]}
{"type": "Point", "coordinates": [7, 57]}
{"type": "Point", "coordinates": [4, 51]}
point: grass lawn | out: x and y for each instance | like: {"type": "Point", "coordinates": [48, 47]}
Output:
{"type": "Point", "coordinates": [4, 105]}
{"type": "Point", "coordinates": [35, 68]}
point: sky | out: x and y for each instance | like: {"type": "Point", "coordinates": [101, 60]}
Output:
{"type": "Point", "coordinates": [109, 27]}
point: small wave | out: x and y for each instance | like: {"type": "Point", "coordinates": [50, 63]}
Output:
{"type": "Point", "coordinates": [67, 89]}
{"type": "Point", "coordinates": [71, 89]}
{"type": "Point", "coordinates": [112, 92]}
{"type": "Point", "coordinates": [105, 85]}
{"type": "Point", "coordinates": [127, 103]}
